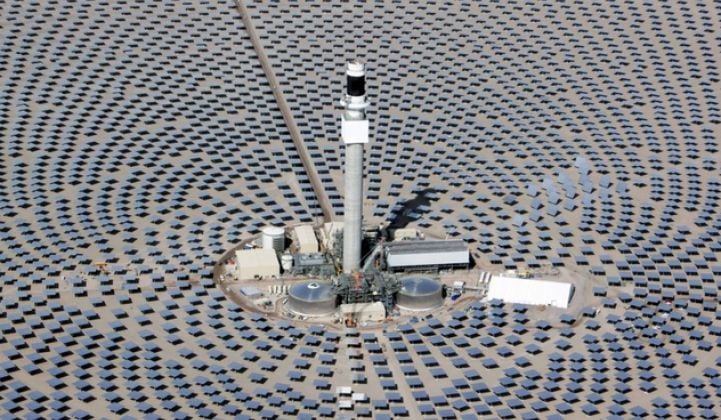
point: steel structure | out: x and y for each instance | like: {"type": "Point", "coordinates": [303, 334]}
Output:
{"type": "Point", "coordinates": [368, 286]}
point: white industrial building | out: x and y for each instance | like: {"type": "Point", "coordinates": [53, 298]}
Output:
{"type": "Point", "coordinates": [251, 292]}
{"type": "Point", "coordinates": [405, 234]}
{"type": "Point", "coordinates": [306, 239]}
{"type": "Point", "coordinates": [252, 263]}
{"type": "Point", "coordinates": [364, 311]}
{"type": "Point", "coordinates": [427, 255]}
{"type": "Point", "coordinates": [530, 291]}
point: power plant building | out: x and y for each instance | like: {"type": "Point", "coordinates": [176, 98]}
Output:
{"type": "Point", "coordinates": [427, 255]}
{"type": "Point", "coordinates": [306, 239]}
{"type": "Point", "coordinates": [254, 263]}
{"type": "Point", "coordinates": [315, 264]}
{"type": "Point", "coordinates": [530, 291]}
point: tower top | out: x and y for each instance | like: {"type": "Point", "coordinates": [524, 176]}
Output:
{"type": "Point", "coordinates": [355, 68]}
{"type": "Point", "coordinates": [356, 81]}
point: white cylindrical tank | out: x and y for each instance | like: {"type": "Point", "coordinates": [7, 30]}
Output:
{"type": "Point", "coordinates": [273, 238]}
{"type": "Point", "coordinates": [311, 299]}
{"type": "Point", "coordinates": [286, 262]}
{"type": "Point", "coordinates": [419, 293]}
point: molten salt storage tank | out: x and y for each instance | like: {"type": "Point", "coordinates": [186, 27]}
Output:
{"type": "Point", "coordinates": [273, 238]}
{"type": "Point", "coordinates": [419, 293]}
{"type": "Point", "coordinates": [312, 299]}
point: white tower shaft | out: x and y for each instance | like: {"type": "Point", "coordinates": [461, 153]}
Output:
{"type": "Point", "coordinates": [354, 130]}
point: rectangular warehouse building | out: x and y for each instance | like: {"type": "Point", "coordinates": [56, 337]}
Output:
{"type": "Point", "coordinates": [530, 291]}
{"type": "Point", "coordinates": [427, 255]}
{"type": "Point", "coordinates": [252, 263]}
{"type": "Point", "coordinates": [307, 241]}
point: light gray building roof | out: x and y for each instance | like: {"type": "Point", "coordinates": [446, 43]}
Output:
{"type": "Point", "coordinates": [530, 291]}
{"type": "Point", "coordinates": [421, 253]}
{"type": "Point", "coordinates": [423, 246]}
{"type": "Point", "coordinates": [256, 262]}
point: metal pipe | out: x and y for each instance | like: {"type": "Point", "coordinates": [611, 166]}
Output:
{"type": "Point", "coordinates": [372, 257]}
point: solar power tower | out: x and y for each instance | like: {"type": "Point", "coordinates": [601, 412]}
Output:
{"type": "Point", "coordinates": [354, 131]}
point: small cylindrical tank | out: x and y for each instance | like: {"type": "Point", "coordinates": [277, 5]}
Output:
{"type": "Point", "coordinates": [419, 293]}
{"type": "Point", "coordinates": [273, 237]}
{"type": "Point", "coordinates": [286, 262]}
{"type": "Point", "coordinates": [311, 298]}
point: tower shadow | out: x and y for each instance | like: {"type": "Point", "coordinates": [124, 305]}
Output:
{"type": "Point", "coordinates": [405, 215]}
